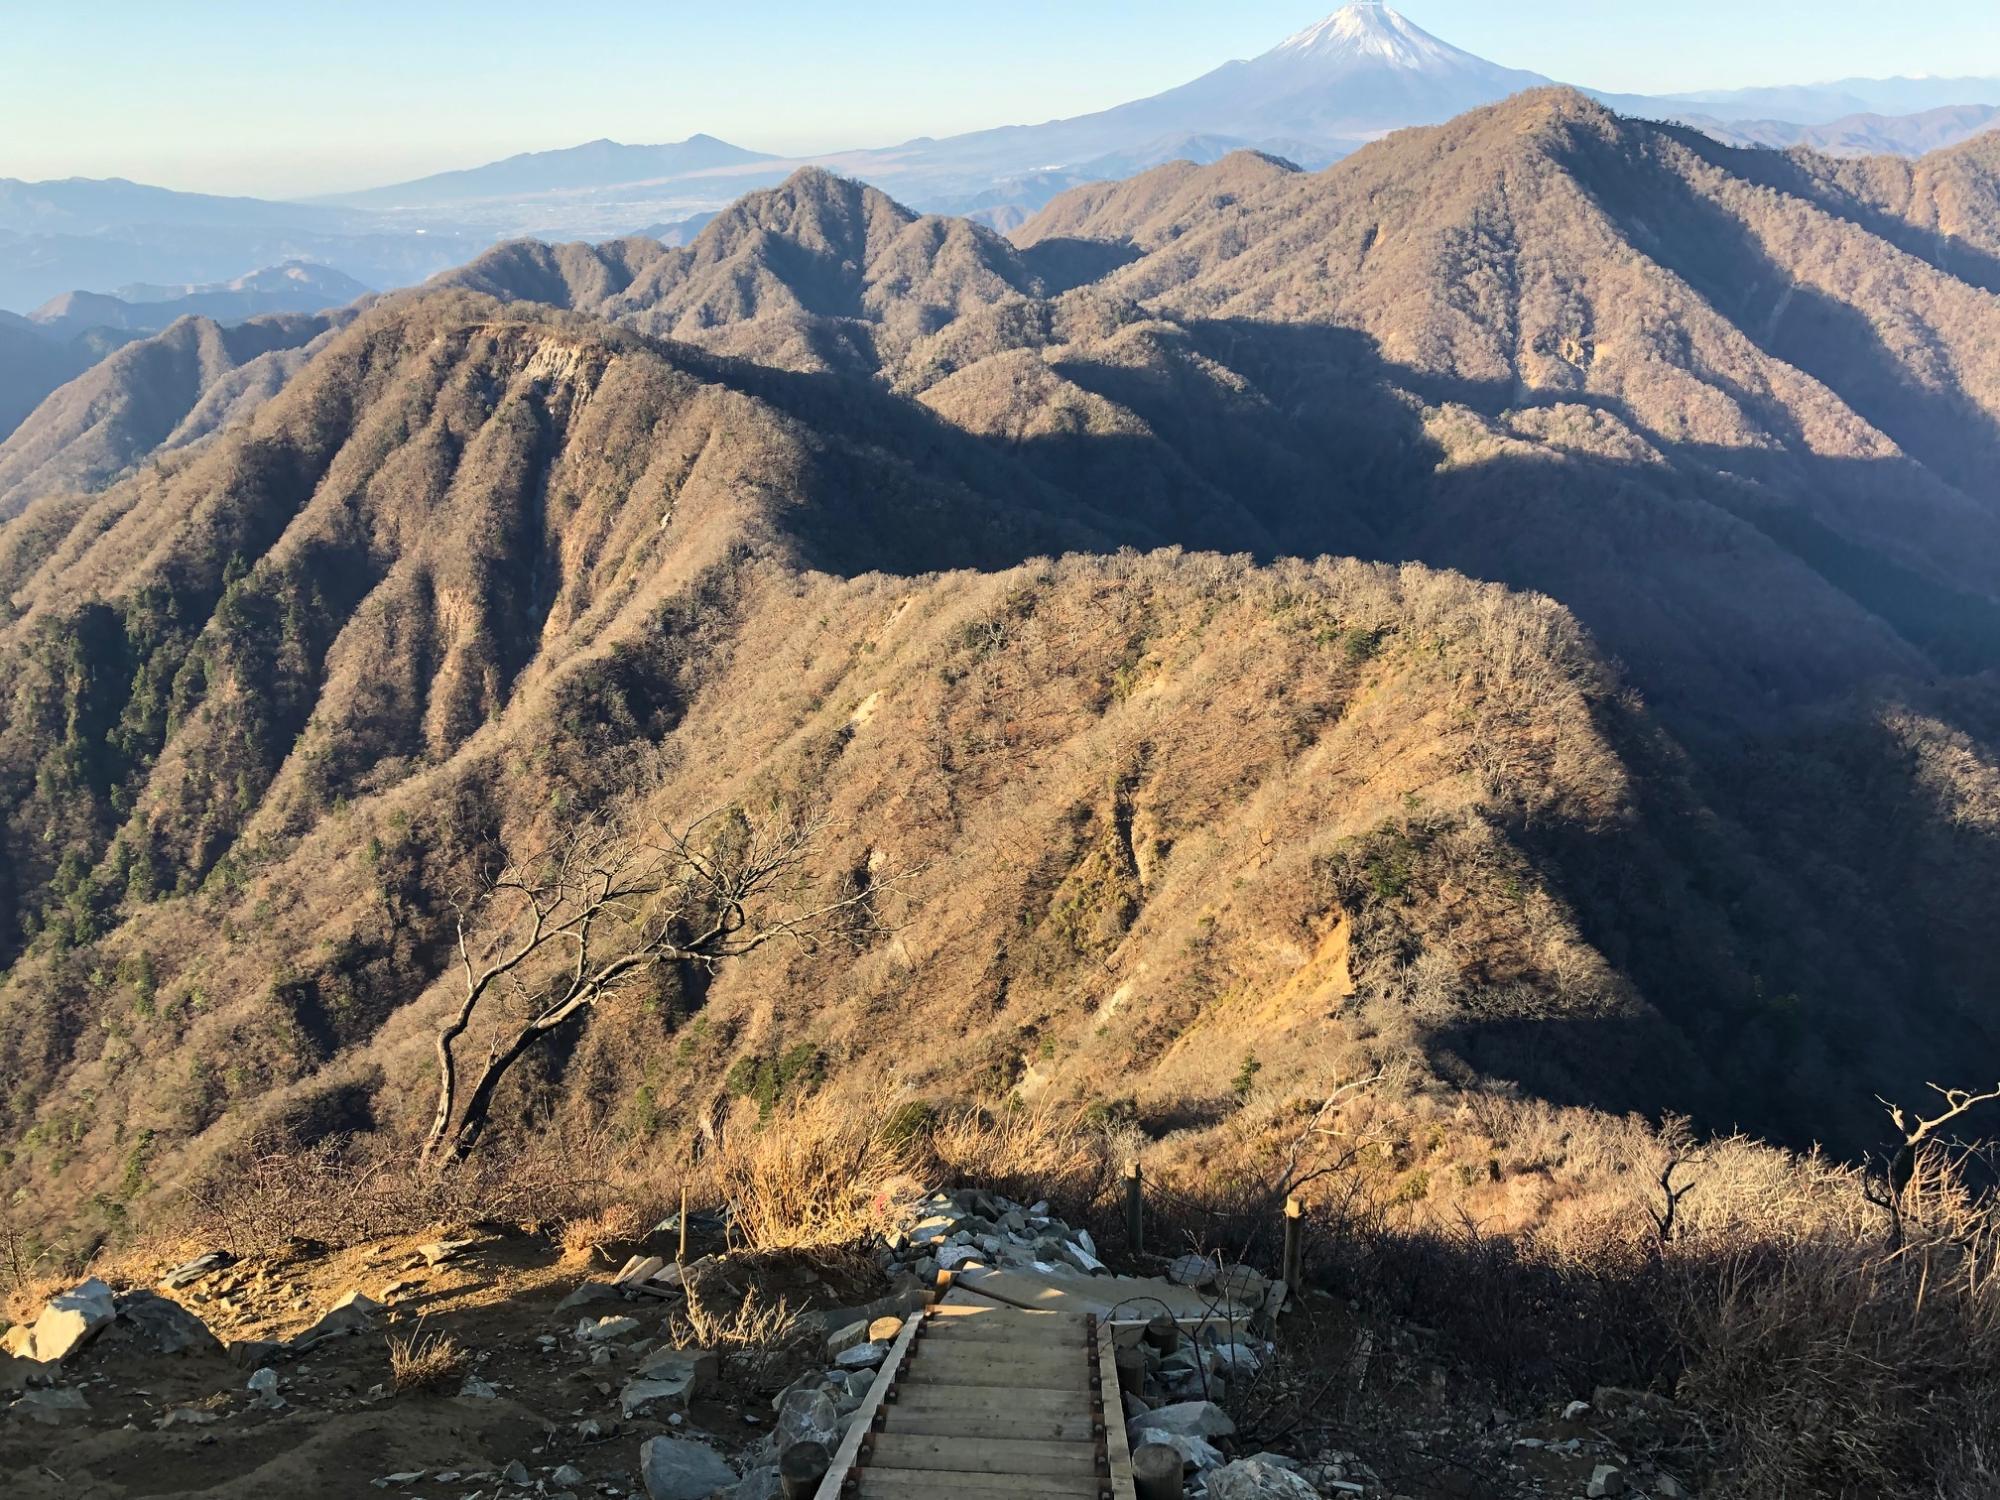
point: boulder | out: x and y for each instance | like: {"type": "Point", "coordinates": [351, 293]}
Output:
{"type": "Point", "coordinates": [589, 1292]}
{"type": "Point", "coordinates": [679, 1469]}
{"type": "Point", "coordinates": [808, 1417]}
{"type": "Point", "coordinates": [265, 1384]}
{"type": "Point", "coordinates": [1193, 1270]}
{"type": "Point", "coordinates": [604, 1330]}
{"type": "Point", "coordinates": [353, 1313]}
{"type": "Point", "coordinates": [1239, 1360]}
{"type": "Point", "coordinates": [669, 1377]}
{"type": "Point", "coordinates": [1195, 1452]}
{"type": "Point", "coordinates": [1606, 1479]}
{"type": "Point", "coordinates": [1258, 1479]}
{"type": "Point", "coordinates": [58, 1408]}
{"type": "Point", "coordinates": [161, 1325]}
{"type": "Point", "coordinates": [759, 1484]}
{"type": "Point", "coordinates": [70, 1320]}
{"type": "Point", "coordinates": [1189, 1418]}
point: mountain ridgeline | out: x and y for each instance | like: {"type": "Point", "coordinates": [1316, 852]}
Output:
{"type": "Point", "coordinates": [1525, 598]}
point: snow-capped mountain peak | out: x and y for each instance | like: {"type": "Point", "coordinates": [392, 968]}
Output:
{"type": "Point", "coordinates": [1369, 32]}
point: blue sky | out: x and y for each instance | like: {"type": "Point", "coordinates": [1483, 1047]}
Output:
{"type": "Point", "coordinates": [248, 96]}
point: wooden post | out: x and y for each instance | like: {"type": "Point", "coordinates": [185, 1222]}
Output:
{"type": "Point", "coordinates": [1135, 1210]}
{"type": "Point", "coordinates": [1156, 1471]}
{"type": "Point", "coordinates": [1294, 1248]}
{"type": "Point", "coordinates": [1163, 1333]}
{"type": "Point", "coordinates": [802, 1468]}
{"type": "Point", "coordinates": [680, 1258]}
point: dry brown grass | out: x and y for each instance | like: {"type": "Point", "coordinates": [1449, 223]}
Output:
{"type": "Point", "coordinates": [816, 1177]}
{"type": "Point", "coordinates": [587, 1236]}
{"type": "Point", "coordinates": [425, 1362]}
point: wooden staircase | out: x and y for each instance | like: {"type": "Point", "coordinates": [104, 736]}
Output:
{"type": "Point", "coordinates": [984, 1402]}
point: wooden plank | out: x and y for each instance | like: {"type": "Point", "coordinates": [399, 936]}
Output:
{"type": "Point", "coordinates": [974, 1455]}
{"type": "Point", "coordinates": [1116, 1297]}
{"type": "Point", "coordinates": [968, 1332]}
{"type": "Point", "coordinates": [1069, 1376]}
{"type": "Point", "coordinates": [1017, 1361]}
{"type": "Point", "coordinates": [1026, 1400]}
{"type": "Point", "coordinates": [899, 1484]}
{"type": "Point", "coordinates": [1116, 1448]}
{"type": "Point", "coordinates": [964, 1306]}
{"type": "Point", "coordinates": [864, 1416]}
{"type": "Point", "coordinates": [1073, 1425]}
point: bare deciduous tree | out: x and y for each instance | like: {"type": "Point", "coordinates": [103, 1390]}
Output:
{"type": "Point", "coordinates": [1677, 1136]}
{"type": "Point", "coordinates": [614, 906]}
{"type": "Point", "coordinates": [1898, 1165]}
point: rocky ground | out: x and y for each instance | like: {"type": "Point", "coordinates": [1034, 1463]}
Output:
{"type": "Point", "coordinates": [488, 1363]}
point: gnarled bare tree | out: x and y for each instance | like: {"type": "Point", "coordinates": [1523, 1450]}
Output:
{"type": "Point", "coordinates": [1915, 1132]}
{"type": "Point", "coordinates": [614, 905]}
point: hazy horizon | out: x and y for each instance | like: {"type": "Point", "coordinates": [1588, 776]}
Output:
{"type": "Point", "coordinates": [244, 101]}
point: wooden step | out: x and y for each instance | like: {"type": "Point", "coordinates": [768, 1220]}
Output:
{"type": "Point", "coordinates": [934, 1484]}
{"type": "Point", "coordinates": [1070, 1425]}
{"type": "Point", "coordinates": [1034, 1374]}
{"type": "Point", "coordinates": [1027, 1401]}
{"type": "Point", "coordinates": [974, 1455]}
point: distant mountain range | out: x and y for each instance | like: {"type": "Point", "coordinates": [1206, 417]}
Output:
{"type": "Point", "coordinates": [1353, 77]}
{"type": "Point", "coordinates": [69, 334]}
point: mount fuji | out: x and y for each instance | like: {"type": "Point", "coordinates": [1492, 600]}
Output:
{"type": "Point", "coordinates": [1360, 73]}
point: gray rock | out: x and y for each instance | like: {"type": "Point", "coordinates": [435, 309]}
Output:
{"type": "Point", "coordinates": [516, 1473]}
{"type": "Point", "coordinates": [1239, 1360]}
{"type": "Point", "coordinates": [162, 1326]}
{"type": "Point", "coordinates": [678, 1469]}
{"type": "Point", "coordinates": [251, 1354]}
{"type": "Point", "coordinates": [475, 1389]}
{"type": "Point", "coordinates": [604, 1330]}
{"type": "Point", "coordinates": [862, 1356]}
{"type": "Point", "coordinates": [760, 1484]}
{"type": "Point", "coordinates": [1258, 1479]}
{"type": "Point", "coordinates": [437, 1252]}
{"type": "Point", "coordinates": [569, 1475]}
{"type": "Point", "coordinates": [1242, 1285]}
{"type": "Point", "coordinates": [842, 1339]}
{"type": "Point", "coordinates": [194, 1270]}
{"type": "Point", "coordinates": [354, 1313]}
{"type": "Point", "coordinates": [589, 1292]}
{"type": "Point", "coordinates": [59, 1408]}
{"type": "Point", "coordinates": [1189, 1418]}
{"type": "Point", "coordinates": [1193, 1270]}
{"type": "Point", "coordinates": [1195, 1452]}
{"type": "Point", "coordinates": [697, 1368]}
{"type": "Point", "coordinates": [808, 1417]}
{"type": "Point", "coordinates": [69, 1321]}
{"type": "Point", "coordinates": [265, 1384]}
{"type": "Point", "coordinates": [1606, 1479]}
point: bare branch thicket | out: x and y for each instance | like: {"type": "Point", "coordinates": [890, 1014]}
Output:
{"type": "Point", "coordinates": [1898, 1165]}
{"type": "Point", "coordinates": [615, 905]}
{"type": "Point", "coordinates": [1308, 1160]}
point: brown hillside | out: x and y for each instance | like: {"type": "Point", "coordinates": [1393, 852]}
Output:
{"type": "Point", "coordinates": [152, 396]}
{"type": "Point", "coordinates": [660, 531]}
